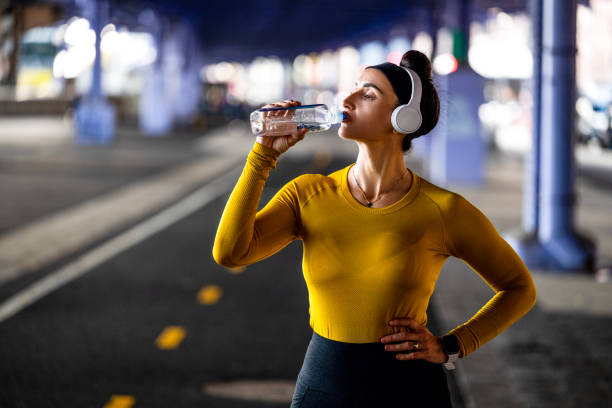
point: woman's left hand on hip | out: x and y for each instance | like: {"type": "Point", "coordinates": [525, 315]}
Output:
{"type": "Point", "coordinates": [418, 341]}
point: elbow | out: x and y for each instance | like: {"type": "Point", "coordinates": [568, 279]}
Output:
{"type": "Point", "coordinates": [530, 296]}
{"type": "Point", "coordinates": [226, 254]}
{"type": "Point", "coordinates": [225, 261]}
{"type": "Point", "coordinates": [525, 296]}
{"type": "Point", "coordinates": [222, 257]}
{"type": "Point", "coordinates": [227, 258]}
{"type": "Point", "coordinates": [533, 296]}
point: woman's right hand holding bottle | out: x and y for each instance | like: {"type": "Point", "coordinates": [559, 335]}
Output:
{"type": "Point", "coordinates": [282, 143]}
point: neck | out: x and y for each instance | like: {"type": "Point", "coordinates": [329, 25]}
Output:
{"type": "Point", "coordinates": [377, 171]}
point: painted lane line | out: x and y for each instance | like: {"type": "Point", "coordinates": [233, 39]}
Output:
{"type": "Point", "coordinates": [36, 244]}
{"type": "Point", "coordinates": [209, 294]}
{"type": "Point", "coordinates": [236, 270]}
{"type": "Point", "coordinates": [170, 337]}
{"type": "Point", "coordinates": [280, 391]}
{"type": "Point", "coordinates": [120, 401]}
{"type": "Point", "coordinates": [114, 246]}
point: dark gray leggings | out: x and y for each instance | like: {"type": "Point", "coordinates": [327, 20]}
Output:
{"type": "Point", "coordinates": [337, 374]}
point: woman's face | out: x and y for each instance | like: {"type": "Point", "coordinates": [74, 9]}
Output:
{"type": "Point", "coordinates": [369, 106]}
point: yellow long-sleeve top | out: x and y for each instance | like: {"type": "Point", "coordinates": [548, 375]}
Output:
{"type": "Point", "coordinates": [365, 266]}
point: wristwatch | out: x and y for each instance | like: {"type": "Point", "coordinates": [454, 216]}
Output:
{"type": "Point", "coordinates": [450, 345]}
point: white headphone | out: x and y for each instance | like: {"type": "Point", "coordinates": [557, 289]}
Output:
{"type": "Point", "coordinates": [407, 118]}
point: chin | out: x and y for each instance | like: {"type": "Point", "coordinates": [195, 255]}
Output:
{"type": "Point", "coordinates": [345, 134]}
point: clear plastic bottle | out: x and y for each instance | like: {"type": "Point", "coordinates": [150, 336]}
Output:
{"type": "Point", "coordinates": [286, 121]}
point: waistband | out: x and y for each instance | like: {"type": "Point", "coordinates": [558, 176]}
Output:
{"type": "Point", "coordinates": [316, 337]}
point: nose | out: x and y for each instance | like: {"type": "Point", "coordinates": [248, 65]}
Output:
{"type": "Point", "coordinates": [347, 101]}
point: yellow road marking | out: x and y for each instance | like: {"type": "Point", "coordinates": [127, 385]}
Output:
{"type": "Point", "coordinates": [120, 401]}
{"type": "Point", "coordinates": [236, 270]}
{"type": "Point", "coordinates": [209, 294]}
{"type": "Point", "coordinates": [170, 337]}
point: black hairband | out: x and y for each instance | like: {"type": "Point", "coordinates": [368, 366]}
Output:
{"type": "Point", "coordinates": [399, 79]}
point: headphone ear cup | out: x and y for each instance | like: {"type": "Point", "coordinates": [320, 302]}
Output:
{"type": "Point", "coordinates": [406, 119]}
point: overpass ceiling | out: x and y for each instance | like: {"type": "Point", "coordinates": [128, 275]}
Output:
{"type": "Point", "coordinates": [241, 30]}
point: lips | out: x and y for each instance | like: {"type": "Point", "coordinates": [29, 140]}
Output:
{"type": "Point", "coordinates": [347, 117]}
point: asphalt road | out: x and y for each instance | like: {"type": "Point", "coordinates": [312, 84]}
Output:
{"type": "Point", "coordinates": [153, 325]}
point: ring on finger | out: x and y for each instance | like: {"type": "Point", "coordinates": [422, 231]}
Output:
{"type": "Point", "coordinates": [416, 346]}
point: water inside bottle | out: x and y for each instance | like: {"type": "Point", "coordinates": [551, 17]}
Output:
{"type": "Point", "coordinates": [315, 118]}
{"type": "Point", "coordinates": [314, 127]}
{"type": "Point", "coordinates": [287, 128]}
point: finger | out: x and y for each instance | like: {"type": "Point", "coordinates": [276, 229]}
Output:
{"type": "Point", "coordinates": [272, 113]}
{"type": "Point", "coordinates": [405, 346]}
{"type": "Point", "coordinates": [406, 321]}
{"type": "Point", "coordinates": [296, 138]}
{"type": "Point", "coordinates": [284, 145]}
{"type": "Point", "coordinates": [411, 356]}
{"type": "Point", "coordinates": [395, 337]}
{"type": "Point", "coordinates": [403, 336]}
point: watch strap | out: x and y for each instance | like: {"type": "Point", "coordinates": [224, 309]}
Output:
{"type": "Point", "coordinates": [450, 345]}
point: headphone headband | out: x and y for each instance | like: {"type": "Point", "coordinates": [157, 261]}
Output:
{"type": "Point", "coordinates": [415, 95]}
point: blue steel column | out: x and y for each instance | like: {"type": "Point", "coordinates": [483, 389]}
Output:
{"type": "Point", "coordinates": [154, 112]}
{"type": "Point", "coordinates": [525, 240]}
{"type": "Point", "coordinates": [421, 146]}
{"type": "Point", "coordinates": [189, 88]}
{"type": "Point", "coordinates": [94, 116]}
{"type": "Point", "coordinates": [564, 248]}
{"type": "Point", "coordinates": [531, 190]}
{"type": "Point", "coordinates": [457, 154]}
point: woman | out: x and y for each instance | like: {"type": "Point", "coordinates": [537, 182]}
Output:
{"type": "Point", "coordinates": [375, 235]}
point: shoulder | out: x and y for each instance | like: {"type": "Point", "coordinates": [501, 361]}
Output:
{"type": "Point", "coordinates": [307, 185]}
{"type": "Point", "coordinates": [305, 181]}
{"type": "Point", "coordinates": [333, 179]}
{"type": "Point", "coordinates": [454, 208]}
{"type": "Point", "coordinates": [464, 224]}
{"type": "Point", "coordinates": [445, 199]}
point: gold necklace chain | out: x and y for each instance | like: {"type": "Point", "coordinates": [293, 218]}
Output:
{"type": "Point", "coordinates": [369, 204]}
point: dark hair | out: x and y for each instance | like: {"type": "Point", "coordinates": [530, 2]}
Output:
{"type": "Point", "coordinates": [430, 103]}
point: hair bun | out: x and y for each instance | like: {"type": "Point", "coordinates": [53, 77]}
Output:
{"type": "Point", "coordinates": [430, 103]}
{"type": "Point", "coordinates": [418, 62]}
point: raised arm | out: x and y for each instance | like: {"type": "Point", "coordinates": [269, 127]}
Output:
{"type": "Point", "coordinates": [245, 236]}
{"type": "Point", "coordinates": [471, 237]}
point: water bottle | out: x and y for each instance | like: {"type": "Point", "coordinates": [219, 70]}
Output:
{"type": "Point", "coordinates": [286, 121]}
